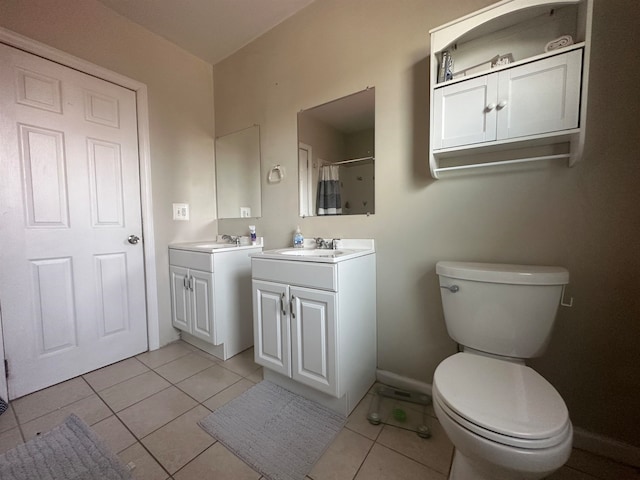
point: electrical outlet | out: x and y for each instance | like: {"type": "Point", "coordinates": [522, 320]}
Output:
{"type": "Point", "coordinates": [245, 212]}
{"type": "Point", "coordinates": [181, 211]}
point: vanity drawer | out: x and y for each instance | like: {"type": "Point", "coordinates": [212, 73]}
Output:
{"type": "Point", "coordinates": [187, 259]}
{"type": "Point", "coordinates": [303, 274]}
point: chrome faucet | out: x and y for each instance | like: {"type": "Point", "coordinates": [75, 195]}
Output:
{"type": "Point", "coordinates": [322, 243]}
{"type": "Point", "coordinates": [231, 239]}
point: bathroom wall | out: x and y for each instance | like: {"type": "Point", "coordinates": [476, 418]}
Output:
{"type": "Point", "coordinates": [585, 218]}
{"type": "Point", "coordinates": [180, 95]}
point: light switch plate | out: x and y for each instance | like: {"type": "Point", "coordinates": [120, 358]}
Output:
{"type": "Point", "coordinates": [181, 211]}
{"type": "Point", "coordinates": [245, 212]}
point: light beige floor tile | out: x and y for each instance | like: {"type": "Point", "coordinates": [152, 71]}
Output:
{"type": "Point", "coordinates": [343, 457]}
{"type": "Point", "coordinates": [566, 473]}
{"type": "Point", "coordinates": [358, 422]}
{"type": "Point", "coordinates": [180, 441]}
{"type": "Point", "coordinates": [242, 364]}
{"type": "Point", "coordinates": [257, 376]}
{"type": "Point", "coordinates": [90, 409]}
{"type": "Point", "coordinates": [10, 439]}
{"type": "Point", "coordinates": [228, 394]}
{"type": "Point", "coordinates": [114, 434]}
{"type": "Point", "coordinates": [601, 467]}
{"type": "Point", "coordinates": [184, 367]}
{"type": "Point", "coordinates": [155, 411]}
{"type": "Point", "coordinates": [144, 466]}
{"type": "Point", "coordinates": [385, 464]}
{"type": "Point", "coordinates": [206, 355]}
{"type": "Point", "coordinates": [8, 420]}
{"type": "Point", "coordinates": [116, 373]}
{"type": "Point", "coordinates": [219, 463]}
{"type": "Point", "coordinates": [44, 401]}
{"type": "Point", "coordinates": [125, 394]}
{"type": "Point", "coordinates": [164, 355]}
{"type": "Point", "coordinates": [207, 383]}
{"type": "Point", "coordinates": [434, 452]}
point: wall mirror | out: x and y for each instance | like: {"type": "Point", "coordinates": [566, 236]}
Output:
{"type": "Point", "coordinates": [336, 158]}
{"type": "Point", "coordinates": [238, 174]}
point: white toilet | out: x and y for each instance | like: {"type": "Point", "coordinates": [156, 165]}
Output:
{"type": "Point", "coordinates": [505, 421]}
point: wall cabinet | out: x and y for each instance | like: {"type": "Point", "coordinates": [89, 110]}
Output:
{"type": "Point", "coordinates": [209, 297]}
{"type": "Point", "coordinates": [536, 98]}
{"type": "Point", "coordinates": [315, 327]}
{"type": "Point", "coordinates": [516, 85]}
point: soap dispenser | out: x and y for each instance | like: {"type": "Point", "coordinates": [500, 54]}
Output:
{"type": "Point", "coordinates": [298, 239]}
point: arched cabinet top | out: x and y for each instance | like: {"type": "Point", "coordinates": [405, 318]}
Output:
{"type": "Point", "coordinates": [491, 19]}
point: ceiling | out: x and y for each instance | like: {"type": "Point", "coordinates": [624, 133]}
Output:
{"type": "Point", "coordinates": [209, 29]}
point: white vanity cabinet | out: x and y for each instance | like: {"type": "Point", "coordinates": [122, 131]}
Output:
{"type": "Point", "coordinates": [210, 292]}
{"type": "Point", "coordinates": [314, 327]}
{"type": "Point", "coordinates": [517, 89]}
{"type": "Point", "coordinates": [540, 97]}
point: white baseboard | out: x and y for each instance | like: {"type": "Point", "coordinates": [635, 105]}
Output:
{"type": "Point", "coordinates": [606, 447]}
{"type": "Point", "coordinates": [582, 439]}
{"type": "Point", "coordinates": [405, 383]}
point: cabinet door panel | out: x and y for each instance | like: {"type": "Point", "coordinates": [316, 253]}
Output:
{"type": "Point", "coordinates": [271, 326]}
{"type": "Point", "coordinates": [203, 321]}
{"type": "Point", "coordinates": [179, 298]}
{"type": "Point", "coordinates": [540, 97]}
{"type": "Point", "coordinates": [461, 116]}
{"type": "Point", "coordinates": [313, 339]}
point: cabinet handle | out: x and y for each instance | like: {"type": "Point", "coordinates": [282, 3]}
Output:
{"type": "Point", "coordinates": [293, 313]}
{"type": "Point", "coordinates": [191, 283]}
{"type": "Point", "coordinates": [282, 304]}
{"type": "Point", "coordinates": [502, 104]}
{"type": "Point", "coordinates": [185, 283]}
{"type": "Point", "coordinates": [490, 107]}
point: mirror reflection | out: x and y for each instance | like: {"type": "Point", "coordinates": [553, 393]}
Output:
{"type": "Point", "coordinates": [238, 174]}
{"type": "Point", "coordinates": [336, 158]}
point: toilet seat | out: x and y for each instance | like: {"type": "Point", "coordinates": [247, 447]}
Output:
{"type": "Point", "coordinates": [504, 402]}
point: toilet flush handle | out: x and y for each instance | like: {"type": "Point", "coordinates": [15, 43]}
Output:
{"type": "Point", "coordinates": [451, 288]}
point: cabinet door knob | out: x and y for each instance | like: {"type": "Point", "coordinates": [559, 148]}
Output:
{"type": "Point", "coordinates": [293, 313]}
{"type": "Point", "coordinates": [490, 107]}
{"type": "Point", "coordinates": [502, 104]}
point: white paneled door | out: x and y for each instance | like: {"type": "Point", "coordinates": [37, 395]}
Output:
{"type": "Point", "coordinates": [71, 258]}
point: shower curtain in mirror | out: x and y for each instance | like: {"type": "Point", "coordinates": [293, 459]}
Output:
{"type": "Point", "coordinates": [328, 200]}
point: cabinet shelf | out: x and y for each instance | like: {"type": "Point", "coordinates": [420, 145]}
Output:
{"type": "Point", "coordinates": [533, 108]}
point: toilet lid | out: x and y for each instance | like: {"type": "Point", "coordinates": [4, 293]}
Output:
{"type": "Point", "coordinates": [504, 397]}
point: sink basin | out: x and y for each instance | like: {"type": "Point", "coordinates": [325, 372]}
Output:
{"type": "Point", "coordinates": [312, 252]}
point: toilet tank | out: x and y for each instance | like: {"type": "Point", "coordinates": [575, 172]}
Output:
{"type": "Point", "coordinates": [501, 309]}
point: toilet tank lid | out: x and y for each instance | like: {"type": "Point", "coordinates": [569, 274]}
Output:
{"type": "Point", "coordinates": [504, 273]}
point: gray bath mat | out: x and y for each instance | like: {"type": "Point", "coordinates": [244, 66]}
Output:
{"type": "Point", "coordinates": [71, 451]}
{"type": "Point", "coordinates": [276, 432]}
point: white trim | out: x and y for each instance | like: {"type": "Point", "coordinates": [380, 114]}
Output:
{"type": "Point", "coordinates": [32, 46]}
{"type": "Point", "coordinates": [404, 383]}
{"type": "Point", "coordinates": [606, 447]}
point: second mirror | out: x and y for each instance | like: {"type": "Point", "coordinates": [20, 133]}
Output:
{"type": "Point", "coordinates": [336, 157]}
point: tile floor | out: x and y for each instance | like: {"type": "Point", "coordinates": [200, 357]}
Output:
{"type": "Point", "coordinates": [146, 409]}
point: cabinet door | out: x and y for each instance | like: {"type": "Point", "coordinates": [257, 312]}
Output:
{"type": "Point", "coordinates": [540, 97]}
{"type": "Point", "coordinates": [179, 277]}
{"type": "Point", "coordinates": [464, 112]}
{"type": "Point", "coordinates": [202, 317]}
{"type": "Point", "coordinates": [271, 333]}
{"type": "Point", "coordinates": [313, 339]}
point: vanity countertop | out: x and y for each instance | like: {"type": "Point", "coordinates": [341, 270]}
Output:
{"type": "Point", "coordinates": [346, 249]}
{"type": "Point", "coordinates": [214, 246]}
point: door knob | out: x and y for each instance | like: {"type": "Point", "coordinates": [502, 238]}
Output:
{"type": "Point", "coordinates": [133, 239]}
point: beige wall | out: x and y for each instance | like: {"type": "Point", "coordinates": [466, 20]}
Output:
{"type": "Point", "coordinates": [180, 95]}
{"type": "Point", "coordinates": [585, 218]}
